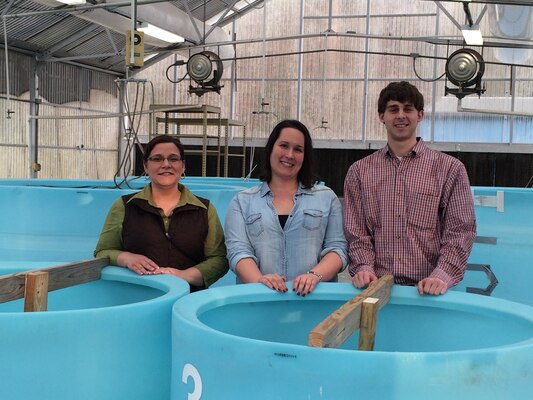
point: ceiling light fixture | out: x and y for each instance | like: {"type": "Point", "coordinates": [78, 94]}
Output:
{"type": "Point", "coordinates": [150, 56]}
{"type": "Point", "coordinates": [465, 68]}
{"type": "Point", "coordinates": [206, 69]}
{"type": "Point", "coordinates": [472, 35]}
{"type": "Point", "coordinates": [161, 34]}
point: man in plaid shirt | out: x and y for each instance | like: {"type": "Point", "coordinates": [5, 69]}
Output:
{"type": "Point", "coordinates": [408, 209]}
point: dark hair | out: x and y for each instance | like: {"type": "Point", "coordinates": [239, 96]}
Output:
{"type": "Point", "coordinates": [163, 139]}
{"type": "Point", "coordinates": [403, 92]}
{"type": "Point", "coordinates": [306, 176]}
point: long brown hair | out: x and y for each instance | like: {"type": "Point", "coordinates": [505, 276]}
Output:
{"type": "Point", "coordinates": [306, 176]}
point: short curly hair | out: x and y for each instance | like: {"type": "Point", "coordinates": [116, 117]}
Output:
{"type": "Point", "coordinates": [404, 92]}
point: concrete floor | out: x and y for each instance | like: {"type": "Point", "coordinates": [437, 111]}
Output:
{"type": "Point", "coordinates": [344, 276]}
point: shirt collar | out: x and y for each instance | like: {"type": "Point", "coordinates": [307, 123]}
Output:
{"type": "Point", "coordinates": [186, 196]}
{"type": "Point", "coordinates": [265, 189]}
{"type": "Point", "coordinates": [418, 149]}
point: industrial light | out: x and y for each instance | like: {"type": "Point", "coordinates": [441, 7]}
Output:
{"type": "Point", "coordinates": [472, 35]}
{"type": "Point", "coordinates": [161, 34]}
{"type": "Point", "coordinates": [465, 68]}
{"type": "Point", "coordinates": [72, 2]}
{"type": "Point", "coordinates": [206, 69]}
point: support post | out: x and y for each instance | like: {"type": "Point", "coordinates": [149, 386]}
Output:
{"type": "Point", "coordinates": [36, 291]}
{"type": "Point", "coordinates": [369, 315]}
{"type": "Point", "coordinates": [343, 322]}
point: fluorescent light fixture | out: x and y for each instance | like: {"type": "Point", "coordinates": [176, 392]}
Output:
{"type": "Point", "coordinates": [472, 35]}
{"type": "Point", "coordinates": [150, 56]}
{"type": "Point", "coordinates": [71, 2]}
{"type": "Point", "coordinates": [161, 34]}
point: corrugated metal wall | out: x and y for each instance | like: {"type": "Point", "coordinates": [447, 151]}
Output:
{"type": "Point", "coordinates": [14, 116]}
{"type": "Point", "coordinates": [71, 143]}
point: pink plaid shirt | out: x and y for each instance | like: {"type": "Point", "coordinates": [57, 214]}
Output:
{"type": "Point", "coordinates": [412, 217]}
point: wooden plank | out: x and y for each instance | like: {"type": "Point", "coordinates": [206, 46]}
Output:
{"type": "Point", "coordinates": [11, 287]}
{"type": "Point", "coordinates": [367, 334]}
{"type": "Point", "coordinates": [36, 291]}
{"type": "Point", "coordinates": [75, 273]}
{"type": "Point", "coordinates": [344, 321]}
{"type": "Point", "coordinates": [59, 277]}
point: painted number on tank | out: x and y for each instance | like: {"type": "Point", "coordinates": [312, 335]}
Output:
{"type": "Point", "coordinates": [189, 371]}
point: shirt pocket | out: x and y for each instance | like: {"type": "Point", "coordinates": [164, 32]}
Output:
{"type": "Point", "coordinates": [254, 224]}
{"type": "Point", "coordinates": [423, 210]}
{"type": "Point", "coordinates": [312, 219]}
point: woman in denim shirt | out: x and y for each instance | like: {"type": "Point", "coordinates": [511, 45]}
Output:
{"type": "Point", "coordinates": [288, 228]}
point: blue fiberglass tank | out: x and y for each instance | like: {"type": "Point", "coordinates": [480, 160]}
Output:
{"type": "Point", "coordinates": [107, 340]}
{"type": "Point", "coordinates": [57, 221]}
{"type": "Point", "coordinates": [249, 342]}
{"type": "Point", "coordinates": [504, 241]}
{"type": "Point", "coordinates": [54, 221]}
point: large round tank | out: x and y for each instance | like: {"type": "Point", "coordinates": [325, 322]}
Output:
{"type": "Point", "coordinates": [59, 220]}
{"type": "Point", "coordinates": [249, 342]}
{"type": "Point", "coordinates": [106, 339]}
{"type": "Point", "coordinates": [504, 242]}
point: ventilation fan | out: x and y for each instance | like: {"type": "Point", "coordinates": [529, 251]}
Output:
{"type": "Point", "coordinates": [206, 70]}
{"type": "Point", "coordinates": [464, 69]}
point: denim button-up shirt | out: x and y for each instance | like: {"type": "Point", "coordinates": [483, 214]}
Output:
{"type": "Point", "coordinates": [313, 229]}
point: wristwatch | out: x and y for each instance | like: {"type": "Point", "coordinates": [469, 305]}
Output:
{"type": "Point", "coordinates": [315, 274]}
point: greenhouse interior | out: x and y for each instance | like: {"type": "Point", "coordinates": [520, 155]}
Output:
{"type": "Point", "coordinates": [417, 290]}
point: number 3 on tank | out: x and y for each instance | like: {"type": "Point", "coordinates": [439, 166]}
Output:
{"type": "Point", "coordinates": [190, 371]}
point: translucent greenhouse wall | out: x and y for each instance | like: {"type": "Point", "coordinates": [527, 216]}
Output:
{"type": "Point", "coordinates": [331, 82]}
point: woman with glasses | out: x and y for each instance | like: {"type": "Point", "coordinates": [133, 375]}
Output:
{"type": "Point", "coordinates": [288, 228]}
{"type": "Point", "coordinates": [164, 228]}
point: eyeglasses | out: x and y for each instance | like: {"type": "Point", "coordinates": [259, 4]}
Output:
{"type": "Point", "coordinates": [160, 159]}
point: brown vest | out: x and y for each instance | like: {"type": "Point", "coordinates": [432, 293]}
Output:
{"type": "Point", "coordinates": [143, 232]}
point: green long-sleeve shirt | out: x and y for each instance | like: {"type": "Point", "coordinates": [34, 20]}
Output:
{"type": "Point", "coordinates": [215, 265]}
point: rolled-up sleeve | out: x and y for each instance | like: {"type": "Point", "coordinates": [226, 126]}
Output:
{"type": "Point", "coordinates": [237, 241]}
{"type": "Point", "coordinates": [334, 240]}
